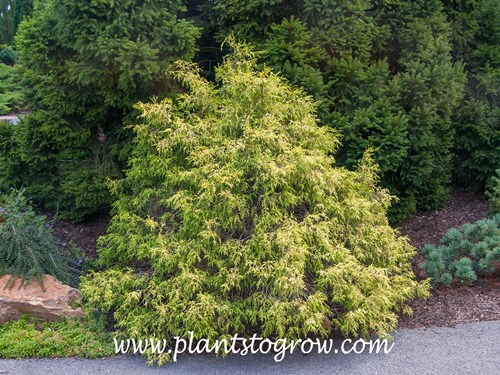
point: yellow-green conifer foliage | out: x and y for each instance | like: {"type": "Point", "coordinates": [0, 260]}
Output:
{"type": "Point", "coordinates": [233, 219]}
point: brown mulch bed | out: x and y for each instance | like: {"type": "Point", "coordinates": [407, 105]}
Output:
{"type": "Point", "coordinates": [448, 305]}
{"type": "Point", "coordinates": [83, 235]}
{"type": "Point", "coordinates": [452, 305]}
{"type": "Point", "coordinates": [429, 227]}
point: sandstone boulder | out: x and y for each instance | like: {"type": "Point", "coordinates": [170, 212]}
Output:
{"type": "Point", "coordinates": [51, 305]}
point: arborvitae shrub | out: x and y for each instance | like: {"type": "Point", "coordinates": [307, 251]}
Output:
{"type": "Point", "coordinates": [27, 247]}
{"type": "Point", "coordinates": [233, 219]}
{"type": "Point", "coordinates": [465, 253]}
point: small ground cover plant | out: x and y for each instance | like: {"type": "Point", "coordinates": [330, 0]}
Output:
{"type": "Point", "coordinates": [26, 338]}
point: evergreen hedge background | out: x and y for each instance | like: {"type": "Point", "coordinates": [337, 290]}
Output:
{"type": "Point", "coordinates": [84, 65]}
{"type": "Point", "coordinates": [416, 81]}
{"type": "Point", "coordinates": [384, 74]}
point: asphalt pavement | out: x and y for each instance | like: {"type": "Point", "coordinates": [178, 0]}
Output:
{"type": "Point", "coordinates": [466, 349]}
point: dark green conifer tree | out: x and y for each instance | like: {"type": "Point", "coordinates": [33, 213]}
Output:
{"type": "Point", "coordinates": [23, 8]}
{"type": "Point", "coordinates": [429, 87]}
{"type": "Point", "coordinates": [358, 59]}
{"type": "Point", "coordinates": [85, 64]}
{"type": "Point", "coordinates": [476, 42]}
{"type": "Point", "coordinates": [7, 21]}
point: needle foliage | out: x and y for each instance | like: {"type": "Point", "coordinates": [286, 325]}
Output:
{"type": "Point", "coordinates": [232, 218]}
{"type": "Point", "coordinates": [84, 65]}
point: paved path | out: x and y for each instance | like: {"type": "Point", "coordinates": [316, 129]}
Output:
{"type": "Point", "coordinates": [12, 119]}
{"type": "Point", "coordinates": [467, 349]}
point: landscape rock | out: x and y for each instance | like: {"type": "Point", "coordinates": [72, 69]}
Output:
{"type": "Point", "coordinates": [50, 305]}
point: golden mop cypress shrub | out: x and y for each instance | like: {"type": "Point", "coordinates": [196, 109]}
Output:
{"type": "Point", "coordinates": [233, 219]}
